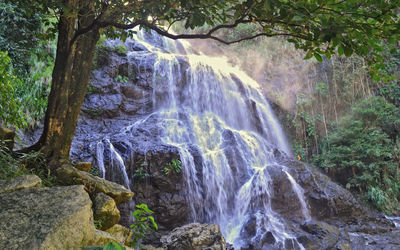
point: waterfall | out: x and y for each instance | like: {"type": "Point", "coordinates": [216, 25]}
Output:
{"type": "Point", "coordinates": [205, 103]}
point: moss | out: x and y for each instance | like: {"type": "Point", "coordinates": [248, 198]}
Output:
{"type": "Point", "coordinates": [121, 50]}
{"type": "Point", "coordinates": [92, 90]}
{"type": "Point", "coordinates": [95, 112]}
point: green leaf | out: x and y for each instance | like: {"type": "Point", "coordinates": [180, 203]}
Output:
{"type": "Point", "coordinates": [340, 50]}
{"type": "Point", "coordinates": [113, 246]}
{"type": "Point", "coordinates": [308, 55]}
{"type": "Point", "coordinates": [318, 57]}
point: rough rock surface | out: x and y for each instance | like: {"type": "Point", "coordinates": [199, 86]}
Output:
{"type": "Point", "coordinates": [7, 136]}
{"type": "Point", "coordinates": [69, 175]}
{"type": "Point", "coordinates": [105, 210]}
{"type": "Point", "coordinates": [20, 182]}
{"type": "Point", "coordinates": [101, 238]}
{"type": "Point", "coordinates": [163, 194]}
{"type": "Point", "coordinates": [46, 218]}
{"type": "Point", "coordinates": [195, 236]}
{"type": "Point", "coordinates": [121, 233]}
{"type": "Point", "coordinates": [83, 166]}
{"type": "Point", "coordinates": [322, 235]}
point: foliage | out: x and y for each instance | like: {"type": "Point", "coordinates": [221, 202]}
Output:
{"type": "Point", "coordinates": [9, 165]}
{"type": "Point", "coordinates": [174, 166]}
{"type": "Point", "coordinates": [318, 27]}
{"type": "Point", "coordinates": [391, 92]}
{"type": "Point", "coordinates": [10, 105]}
{"type": "Point", "coordinates": [95, 171]}
{"type": "Point", "coordinates": [33, 59]}
{"type": "Point", "coordinates": [91, 90]}
{"type": "Point", "coordinates": [144, 223]}
{"type": "Point", "coordinates": [123, 79]}
{"type": "Point", "coordinates": [364, 152]}
{"type": "Point", "coordinates": [98, 223]}
{"type": "Point", "coordinates": [18, 35]}
{"type": "Point", "coordinates": [13, 165]}
{"type": "Point", "coordinates": [141, 171]}
{"type": "Point", "coordinates": [95, 112]}
{"type": "Point", "coordinates": [120, 50]}
{"type": "Point", "coordinates": [113, 246]}
{"type": "Point", "coordinates": [34, 89]}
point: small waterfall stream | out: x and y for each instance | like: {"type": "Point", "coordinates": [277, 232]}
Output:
{"type": "Point", "coordinates": [206, 103]}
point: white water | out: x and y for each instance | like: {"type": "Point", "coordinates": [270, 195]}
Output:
{"type": "Point", "coordinates": [221, 111]}
{"type": "Point", "coordinates": [300, 193]}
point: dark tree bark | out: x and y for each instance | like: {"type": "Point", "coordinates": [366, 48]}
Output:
{"type": "Point", "coordinates": [70, 79]}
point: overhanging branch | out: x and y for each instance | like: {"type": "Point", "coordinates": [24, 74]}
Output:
{"type": "Point", "coordinates": [162, 32]}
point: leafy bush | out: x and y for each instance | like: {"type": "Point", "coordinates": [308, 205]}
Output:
{"type": "Point", "coordinates": [18, 35]}
{"type": "Point", "coordinates": [10, 105]}
{"type": "Point", "coordinates": [363, 152]}
{"type": "Point", "coordinates": [32, 58]}
{"type": "Point", "coordinates": [144, 223]}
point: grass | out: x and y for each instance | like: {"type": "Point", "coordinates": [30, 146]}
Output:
{"type": "Point", "coordinates": [13, 165]}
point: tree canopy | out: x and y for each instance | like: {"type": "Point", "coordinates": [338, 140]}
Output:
{"type": "Point", "coordinates": [318, 26]}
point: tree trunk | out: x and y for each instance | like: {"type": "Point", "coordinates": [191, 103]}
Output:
{"type": "Point", "coordinates": [70, 79]}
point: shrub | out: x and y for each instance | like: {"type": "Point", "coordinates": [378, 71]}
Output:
{"type": "Point", "coordinates": [144, 223]}
{"type": "Point", "coordinates": [10, 105]}
{"type": "Point", "coordinates": [363, 152]}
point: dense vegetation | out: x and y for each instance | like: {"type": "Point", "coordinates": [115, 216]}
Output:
{"type": "Point", "coordinates": [29, 63]}
{"type": "Point", "coordinates": [362, 152]}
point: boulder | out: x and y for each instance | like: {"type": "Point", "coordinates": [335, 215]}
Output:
{"type": "Point", "coordinates": [7, 135]}
{"type": "Point", "coordinates": [101, 238]}
{"type": "Point", "coordinates": [150, 247]}
{"type": "Point", "coordinates": [20, 182]}
{"type": "Point", "coordinates": [121, 233]}
{"type": "Point", "coordinates": [83, 166]}
{"type": "Point", "coordinates": [195, 236]}
{"type": "Point", "coordinates": [320, 235]}
{"type": "Point", "coordinates": [69, 175]}
{"type": "Point", "coordinates": [105, 210]}
{"type": "Point", "coordinates": [46, 218]}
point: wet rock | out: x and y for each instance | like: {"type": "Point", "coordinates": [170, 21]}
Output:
{"type": "Point", "coordinates": [195, 236]}
{"type": "Point", "coordinates": [132, 92]}
{"type": "Point", "coordinates": [327, 200]}
{"type": "Point", "coordinates": [69, 175]}
{"type": "Point", "coordinates": [7, 135]}
{"type": "Point", "coordinates": [389, 240]}
{"type": "Point", "coordinates": [164, 194]}
{"type": "Point", "coordinates": [121, 233]}
{"type": "Point", "coordinates": [46, 218]}
{"type": "Point", "coordinates": [97, 105]}
{"type": "Point", "coordinates": [105, 210]}
{"type": "Point", "coordinates": [284, 199]}
{"type": "Point", "coordinates": [20, 182]}
{"type": "Point", "coordinates": [150, 247]}
{"type": "Point", "coordinates": [83, 166]}
{"type": "Point", "coordinates": [320, 235]}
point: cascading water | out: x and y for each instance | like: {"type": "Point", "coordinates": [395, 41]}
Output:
{"type": "Point", "coordinates": [205, 103]}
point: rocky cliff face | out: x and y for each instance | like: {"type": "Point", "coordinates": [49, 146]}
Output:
{"type": "Point", "coordinates": [118, 110]}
